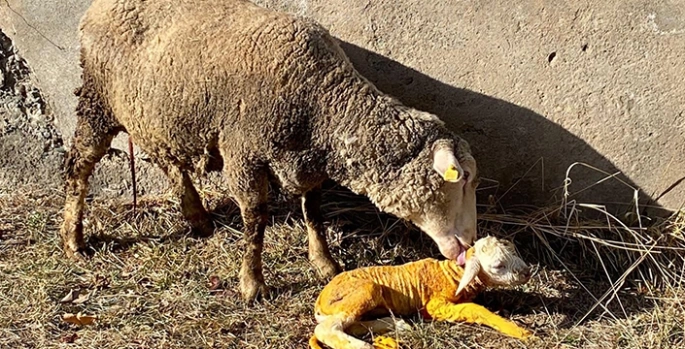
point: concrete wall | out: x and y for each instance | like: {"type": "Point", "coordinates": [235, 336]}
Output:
{"type": "Point", "coordinates": [534, 86]}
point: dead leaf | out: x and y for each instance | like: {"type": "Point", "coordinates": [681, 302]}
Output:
{"type": "Point", "coordinates": [73, 294]}
{"type": "Point", "coordinates": [69, 338]}
{"type": "Point", "coordinates": [75, 297]}
{"type": "Point", "coordinates": [214, 283]}
{"type": "Point", "coordinates": [79, 319]}
{"type": "Point", "coordinates": [81, 298]}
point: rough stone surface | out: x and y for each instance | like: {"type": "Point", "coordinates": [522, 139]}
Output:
{"type": "Point", "coordinates": [534, 86]}
{"type": "Point", "coordinates": [28, 139]}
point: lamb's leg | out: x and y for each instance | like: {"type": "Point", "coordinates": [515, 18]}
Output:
{"type": "Point", "coordinates": [92, 138]}
{"type": "Point", "coordinates": [377, 326]}
{"type": "Point", "coordinates": [319, 254]}
{"type": "Point", "coordinates": [443, 310]}
{"type": "Point", "coordinates": [191, 204]}
{"type": "Point", "coordinates": [332, 333]}
{"type": "Point", "coordinates": [357, 298]}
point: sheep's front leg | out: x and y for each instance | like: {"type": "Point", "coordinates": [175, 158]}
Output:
{"type": "Point", "coordinates": [443, 310]}
{"type": "Point", "coordinates": [252, 195]}
{"type": "Point", "coordinates": [191, 204]}
{"type": "Point", "coordinates": [319, 254]}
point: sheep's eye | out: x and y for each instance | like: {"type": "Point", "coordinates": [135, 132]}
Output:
{"type": "Point", "coordinates": [498, 265]}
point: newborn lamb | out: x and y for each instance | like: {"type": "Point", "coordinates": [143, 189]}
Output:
{"type": "Point", "coordinates": [438, 290]}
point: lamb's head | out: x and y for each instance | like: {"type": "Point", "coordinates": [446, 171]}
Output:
{"type": "Point", "coordinates": [496, 263]}
{"type": "Point", "coordinates": [449, 218]}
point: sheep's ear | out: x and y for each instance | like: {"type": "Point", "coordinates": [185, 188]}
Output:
{"type": "Point", "coordinates": [471, 270]}
{"type": "Point", "coordinates": [446, 165]}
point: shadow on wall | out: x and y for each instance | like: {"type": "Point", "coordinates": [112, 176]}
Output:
{"type": "Point", "coordinates": [525, 154]}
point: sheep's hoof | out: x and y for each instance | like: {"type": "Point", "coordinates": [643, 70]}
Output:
{"type": "Point", "coordinates": [326, 267]}
{"type": "Point", "coordinates": [75, 254]}
{"type": "Point", "coordinates": [253, 290]}
{"type": "Point", "coordinates": [74, 248]}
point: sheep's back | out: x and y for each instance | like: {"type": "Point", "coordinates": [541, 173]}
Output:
{"type": "Point", "coordinates": [181, 71]}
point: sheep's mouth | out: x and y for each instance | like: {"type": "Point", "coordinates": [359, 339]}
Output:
{"type": "Point", "coordinates": [452, 248]}
{"type": "Point", "coordinates": [461, 260]}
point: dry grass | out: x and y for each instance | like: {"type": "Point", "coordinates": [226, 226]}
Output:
{"type": "Point", "coordinates": [600, 284]}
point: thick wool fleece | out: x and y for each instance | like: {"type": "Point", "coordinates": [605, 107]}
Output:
{"type": "Point", "coordinates": [306, 114]}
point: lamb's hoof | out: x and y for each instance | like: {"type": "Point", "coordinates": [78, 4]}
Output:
{"type": "Point", "coordinates": [383, 342]}
{"type": "Point", "coordinates": [527, 336]}
{"type": "Point", "coordinates": [326, 267]}
{"type": "Point", "coordinates": [253, 290]}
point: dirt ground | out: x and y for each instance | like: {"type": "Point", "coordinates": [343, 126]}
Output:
{"type": "Point", "coordinates": [151, 285]}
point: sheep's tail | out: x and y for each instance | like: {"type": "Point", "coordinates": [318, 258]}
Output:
{"type": "Point", "coordinates": [132, 166]}
{"type": "Point", "coordinates": [314, 343]}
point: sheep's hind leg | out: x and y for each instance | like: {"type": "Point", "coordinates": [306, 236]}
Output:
{"type": "Point", "coordinates": [347, 305]}
{"type": "Point", "coordinates": [95, 130]}
{"type": "Point", "coordinates": [319, 254]}
{"type": "Point", "coordinates": [191, 204]}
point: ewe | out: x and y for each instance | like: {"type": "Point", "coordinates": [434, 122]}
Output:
{"type": "Point", "coordinates": [204, 85]}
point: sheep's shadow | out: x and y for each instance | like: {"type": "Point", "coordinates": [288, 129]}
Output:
{"type": "Point", "coordinates": [526, 154]}
{"type": "Point", "coordinates": [545, 311]}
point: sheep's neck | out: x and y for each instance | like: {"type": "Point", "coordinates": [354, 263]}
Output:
{"type": "Point", "coordinates": [374, 144]}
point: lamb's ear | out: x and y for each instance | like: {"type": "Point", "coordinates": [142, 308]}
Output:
{"type": "Point", "coordinates": [471, 270]}
{"type": "Point", "coordinates": [446, 164]}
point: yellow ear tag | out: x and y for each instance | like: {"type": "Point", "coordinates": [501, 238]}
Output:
{"type": "Point", "coordinates": [452, 174]}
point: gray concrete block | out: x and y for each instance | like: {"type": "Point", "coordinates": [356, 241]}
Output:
{"type": "Point", "coordinates": [535, 86]}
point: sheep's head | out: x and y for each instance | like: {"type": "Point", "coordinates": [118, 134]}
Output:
{"type": "Point", "coordinates": [450, 219]}
{"type": "Point", "coordinates": [496, 263]}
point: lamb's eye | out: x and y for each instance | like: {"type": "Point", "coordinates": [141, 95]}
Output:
{"type": "Point", "coordinates": [498, 265]}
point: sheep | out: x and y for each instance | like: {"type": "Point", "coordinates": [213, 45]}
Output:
{"type": "Point", "coordinates": [263, 96]}
{"type": "Point", "coordinates": [438, 290]}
